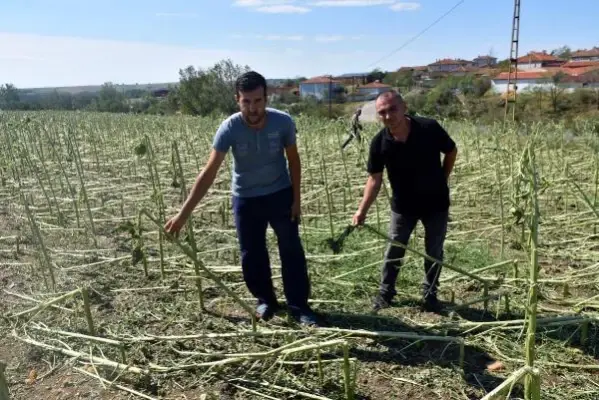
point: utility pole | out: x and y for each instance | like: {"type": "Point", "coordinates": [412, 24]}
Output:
{"type": "Point", "coordinates": [512, 79]}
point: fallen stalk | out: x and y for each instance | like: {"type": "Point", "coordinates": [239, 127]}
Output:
{"type": "Point", "coordinates": [191, 254]}
{"type": "Point", "coordinates": [116, 385]}
{"type": "Point", "coordinates": [513, 379]}
{"type": "Point", "coordinates": [92, 359]}
{"type": "Point", "coordinates": [281, 388]}
{"type": "Point", "coordinates": [3, 384]}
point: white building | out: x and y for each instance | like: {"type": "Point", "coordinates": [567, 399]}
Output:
{"type": "Point", "coordinates": [320, 87]}
{"type": "Point", "coordinates": [572, 79]}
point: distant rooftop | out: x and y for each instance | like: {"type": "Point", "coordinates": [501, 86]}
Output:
{"type": "Point", "coordinates": [350, 75]}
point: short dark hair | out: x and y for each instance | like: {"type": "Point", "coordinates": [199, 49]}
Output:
{"type": "Point", "coordinates": [249, 81]}
{"type": "Point", "coordinates": [393, 93]}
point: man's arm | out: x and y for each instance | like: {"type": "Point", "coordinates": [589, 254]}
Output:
{"type": "Point", "coordinates": [295, 170]}
{"type": "Point", "coordinates": [371, 191]}
{"type": "Point", "coordinates": [375, 167]}
{"type": "Point", "coordinates": [448, 147]}
{"type": "Point", "coordinates": [204, 180]}
{"type": "Point", "coordinates": [293, 159]}
{"type": "Point", "coordinates": [449, 162]}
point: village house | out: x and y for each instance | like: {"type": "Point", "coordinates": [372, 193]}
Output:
{"type": "Point", "coordinates": [448, 65]}
{"type": "Point", "coordinates": [320, 87]}
{"type": "Point", "coordinates": [570, 79]}
{"type": "Point", "coordinates": [484, 61]}
{"type": "Point", "coordinates": [586, 55]}
{"type": "Point", "coordinates": [539, 59]}
{"type": "Point", "coordinates": [353, 79]}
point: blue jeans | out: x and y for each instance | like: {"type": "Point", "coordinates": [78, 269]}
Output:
{"type": "Point", "coordinates": [252, 216]}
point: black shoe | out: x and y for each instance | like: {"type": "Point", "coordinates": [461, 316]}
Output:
{"type": "Point", "coordinates": [380, 302]}
{"type": "Point", "coordinates": [430, 303]}
{"type": "Point", "coordinates": [304, 316]}
{"type": "Point", "coordinates": [266, 311]}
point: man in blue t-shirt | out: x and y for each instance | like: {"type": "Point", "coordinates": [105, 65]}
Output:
{"type": "Point", "coordinates": [264, 191]}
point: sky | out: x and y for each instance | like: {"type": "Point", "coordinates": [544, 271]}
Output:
{"type": "Point", "coordinates": [49, 43]}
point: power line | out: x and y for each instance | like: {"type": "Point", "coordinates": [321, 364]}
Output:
{"type": "Point", "coordinates": [419, 34]}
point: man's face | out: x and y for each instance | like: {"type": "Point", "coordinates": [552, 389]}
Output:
{"type": "Point", "coordinates": [252, 105]}
{"type": "Point", "coordinates": [390, 111]}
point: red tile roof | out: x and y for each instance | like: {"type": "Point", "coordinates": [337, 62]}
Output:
{"type": "Point", "coordinates": [580, 64]}
{"type": "Point", "coordinates": [594, 52]}
{"type": "Point", "coordinates": [572, 74]}
{"type": "Point", "coordinates": [537, 56]}
{"type": "Point", "coordinates": [525, 74]}
{"type": "Point", "coordinates": [449, 61]}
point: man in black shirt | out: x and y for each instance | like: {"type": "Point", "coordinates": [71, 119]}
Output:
{"type": "Point", "coordinates": [410, 149]}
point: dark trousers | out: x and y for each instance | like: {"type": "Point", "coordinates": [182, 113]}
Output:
{"type": "Point", "coordinates": [252, 216]}
{"type": "Point", "coordinates": [400, 230]}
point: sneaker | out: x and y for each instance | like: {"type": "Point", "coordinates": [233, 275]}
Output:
{"type": "Point", "coordinates": [380, 302]}
{"type": "Point", "coordinates": [266, 311]}
{"type": "Point", "coordinates": [304, 317]}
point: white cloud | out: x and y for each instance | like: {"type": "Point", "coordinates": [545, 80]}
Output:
{"type": "Point", "coordinates": [272, 6]}
{"type": "Point", "coordinates": [292, 38]}
{"type": "Point", "coordinates": [295, 38]}
{"type": "Point", "coordinates": [304, 6]}
{"type": "Point", "coordinates": [330, 38]}
{"type": "Point", "coordinates": [260, 3]}
{"type": "Point", "coordinates": [401, 6]}
{"type": "Point", "coordinates": [283, 9]}
{"type": "Point", "coordinates": [39, 61]}
{"type": "Point", "coordinates": [350, 3]}
{"type": "Point", "coordinates": [298, 38]}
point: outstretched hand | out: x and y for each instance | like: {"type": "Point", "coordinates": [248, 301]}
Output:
{"type": "Point", "coordinates": [173, 226]}
{"type": "Point", "coordinates": [358, 218]}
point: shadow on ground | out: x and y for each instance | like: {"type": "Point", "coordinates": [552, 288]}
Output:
{"type": "Point", "coordinates": [408, 352]}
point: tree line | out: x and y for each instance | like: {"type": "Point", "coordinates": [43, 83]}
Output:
{"type": "Point", "coordinates": [211, 90]}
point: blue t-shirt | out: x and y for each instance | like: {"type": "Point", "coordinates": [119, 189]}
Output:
{"type": "Point", "coordinates": [259, 162]}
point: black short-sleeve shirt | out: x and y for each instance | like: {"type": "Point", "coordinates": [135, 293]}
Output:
{"type": "Point", "coordinates": [414, 167]}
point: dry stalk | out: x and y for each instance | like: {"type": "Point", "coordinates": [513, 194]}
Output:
{"type": "Point", "coordinates": [3, 383]}
{"type": "Point", "coordinates": [116, 385]}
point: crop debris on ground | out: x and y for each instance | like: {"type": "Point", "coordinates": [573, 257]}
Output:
{"type": "Point", "coordinates": [98, 302]}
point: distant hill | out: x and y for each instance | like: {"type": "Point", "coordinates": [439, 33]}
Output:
{"type": "Point", "coordinates": [119, 87]}
{"type": "Point", "coordinates": [96, 88]}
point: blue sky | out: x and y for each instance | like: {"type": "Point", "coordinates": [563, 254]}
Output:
{"type": "Point", "coordinates": [69, 42]}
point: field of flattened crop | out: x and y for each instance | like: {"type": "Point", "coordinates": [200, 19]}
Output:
{"type": "Point", "coordinates": [97, 303]}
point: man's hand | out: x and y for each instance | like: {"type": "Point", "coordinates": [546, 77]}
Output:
{"type": "Point", "coordinates": [174, 225]}
{"type": "Point", "coordinates": [296, 211]}
{"type": "Point", "coordinates": [359, 218]}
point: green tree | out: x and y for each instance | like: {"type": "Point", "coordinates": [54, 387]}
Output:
{"type": "Point", "coordinates": [563, 52]}
{"type": "Point", "coordinates": [556, 89]}
{"type": "Point", "coordinates": [401, 79]}
{"type": "Point", "coordinates": [110, 99]}
{"type": "Point", "coordinates": [376, 75]}
{"type": "Point", "coordinates": [202, 92]}
{"type": "Point", "coordinates": [9, 97]}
